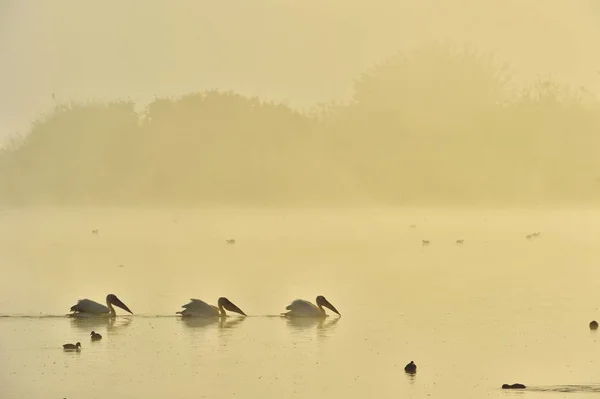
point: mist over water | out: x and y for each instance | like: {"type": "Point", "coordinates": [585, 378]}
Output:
{"type": "Point", "coordinates": [429, 167]}
{"type": "Point", "coordinates": [498, 308]}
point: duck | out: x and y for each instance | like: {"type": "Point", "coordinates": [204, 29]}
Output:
{"type": "Point", "coordinates": [410, 368]}
{"type": "Point", "coordinates": [71, 347]}
{"type": "Point", "coordinates": [95, 336]}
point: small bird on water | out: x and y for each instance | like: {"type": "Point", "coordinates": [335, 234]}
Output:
{"type": "Point", "coordinates": [593, 325]}
{"type": "Point", "coordinates": [513, 386]}
{"type": "Point", "coordinates": [411, 368]}
{"type": "Point", "coordinates": [95, 336]}
{"type": "Point", "coordinates": [71, 347]}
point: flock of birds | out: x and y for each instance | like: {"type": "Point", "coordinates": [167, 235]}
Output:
{"type": "Point", "coordinates": [195, 308]}
{"type": "Point", "coordinates": [460, 241]}
{"type": "Point", "coordinates": [198, 308]}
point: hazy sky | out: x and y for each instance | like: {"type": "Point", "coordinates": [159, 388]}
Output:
{"type": "Point", "coordinates": [301, 52]}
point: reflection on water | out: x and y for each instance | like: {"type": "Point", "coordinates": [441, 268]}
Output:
{"type": "Point", "coordinates": [474, 326]}
{"type": "Point", "coordinates": [323, 325]}
{"type": "Point", "coordinates": [200, 322]}
{"type": "Point", "coordinates": [564, 388]}
{"type": "Point", "coordinates": [94, 323]}
{"type": "Point", "coordinates": [411, 377]}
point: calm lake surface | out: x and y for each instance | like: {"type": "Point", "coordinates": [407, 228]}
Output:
{"type": "Point", "coordinates": [497, 309]}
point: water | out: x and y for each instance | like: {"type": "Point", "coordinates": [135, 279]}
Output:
{"type": "Point", "coordinates": [497, 309]}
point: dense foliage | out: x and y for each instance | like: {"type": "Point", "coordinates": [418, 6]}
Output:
{"type": "Point", "coordinates": [434, 126]}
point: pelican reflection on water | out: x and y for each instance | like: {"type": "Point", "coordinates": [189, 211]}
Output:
{"type": "Point", "coordinates": [89, 308]}
{"type": "Point", "coordinates": [198, 308]}
{"type": "Point", "coordinates": [221, 322]}
{"type": "Point", "coordinates": [322, 324]}
{"type": "Point", "coordinates": [302, 308]}
{"type": "Point", "coordinates": [95, 323]}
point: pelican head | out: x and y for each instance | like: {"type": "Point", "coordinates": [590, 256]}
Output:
{"type": "Point", "coordinates": [225, 303]}
{"type": "Point", "coordinates": [321, 301]}
{"type": "Point", "coordinates": [111, 299]}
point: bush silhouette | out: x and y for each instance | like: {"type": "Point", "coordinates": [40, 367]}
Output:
{"type": "Point", "coordinates": [436, 125]}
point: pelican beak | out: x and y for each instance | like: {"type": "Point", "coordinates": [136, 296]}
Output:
{"type": "Point", "coordinates": [331, 307]}
{"type": "Point", "coordinates": [232, 308]}
{"type": "Point", "coordinates": [117, 302]}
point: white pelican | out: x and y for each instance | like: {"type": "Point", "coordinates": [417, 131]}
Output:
{"type": "Point", "coordinates": [71, 347]}
{"type": "Point", "coordinates": [89, 308]}
{"type": "Point", "coordinates": [302, 308]}
{"type": "Point", "coordinates": [95, 336]}
{"type": "Point", "coordinates": [200, 308]}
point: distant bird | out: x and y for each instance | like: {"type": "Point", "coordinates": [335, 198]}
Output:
{"type": "Point", "coordinates": [230, 241]}
{"type": "Point", "coordinates": [89, 308]}
{"type": "Point", "coordinates": [532, 235]}
{"type": "Point", "coordinates": [95, 336]}
{"type": "Point", "coordinates": [460, 241]}
{"type": "Point", "coordinates": [593, 325]}
{"type": "Point", "coordinates": [410, 368]}
{"type": "Point", "coordinates": [513, 386]}
{"type": "Point", "coordinates": [95, 231]}
{"type": "Point", "coordinates": [425, 242]}
{"type": "Point", "coordinates": [198, 308]}
{"type": "Point", "coordinates": [413, 226]}
{"type": "Point", "coordinates": [71, 347]}
{"type": "Point", "coordinates": [302, 308]}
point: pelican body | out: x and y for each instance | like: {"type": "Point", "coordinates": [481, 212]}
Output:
{"type": "Point", "coordinates": [95, 336]}
{"type": "Point", "coordinates": [71, 347]}
{"type": "Point", "coordinates": [89, 308]}
{"type": "Point", "coordinates": [302, 308]}
{"type": "Point", "coordinates": [198, 308]}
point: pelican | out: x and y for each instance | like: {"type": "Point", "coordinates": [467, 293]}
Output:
{"type": "Point", "coordinates": [89, 308]}
{"type": "Point", "coordinates": [200, 308]}
{"type": "Point", "coordinates": [95, 336]}
{"type": "Point", "coordinates": [302, 308]}
{"type": "Point", "coordinates": [71, 347]}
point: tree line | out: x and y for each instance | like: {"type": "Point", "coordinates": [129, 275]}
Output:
{"type": "Point", "coordinates": [432, 126]}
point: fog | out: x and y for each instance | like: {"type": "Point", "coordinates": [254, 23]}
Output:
{"type": "Point", "coordinates": [70, 67]}
{"type": "Point", "coordinates": [298, 52]}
